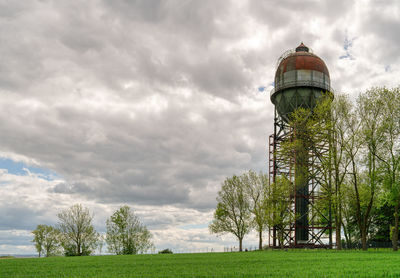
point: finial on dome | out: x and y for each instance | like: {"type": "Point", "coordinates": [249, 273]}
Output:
{"type": "Point", "coordinates": [302, 47]}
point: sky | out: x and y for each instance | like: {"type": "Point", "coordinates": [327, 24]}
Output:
{"type": "Point", "coordinates": [152, 104]}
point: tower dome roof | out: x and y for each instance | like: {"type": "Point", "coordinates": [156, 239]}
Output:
{"type": "Point", "coordinates": [302, 59]}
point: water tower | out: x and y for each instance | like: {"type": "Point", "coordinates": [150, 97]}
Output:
{"type": "Point", "coordinates": [301, 79]}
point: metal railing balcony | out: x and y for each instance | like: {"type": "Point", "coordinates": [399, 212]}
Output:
{"type": "Point", "coordinates": [302, 83]}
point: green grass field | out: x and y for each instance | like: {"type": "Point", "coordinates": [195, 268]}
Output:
{"type": "Point", "coordinates": [298, 263]}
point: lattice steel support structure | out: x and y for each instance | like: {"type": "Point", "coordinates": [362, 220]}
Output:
{"type": "Point", "coordinates": [312, 227]}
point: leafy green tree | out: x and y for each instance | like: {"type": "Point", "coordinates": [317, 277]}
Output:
{"type": "Point", "coordinates": [38, 239]}
{"type": "Point", "coordinates": [370, 112]}
{"type": "Point", "coordinates": [232, 214]}
{"type": "Point", "coordinates": [78, 236]}
{"type": "Point", "coordinates": [47, 240]}
{"type": "Point", "coordinates": [339, 161]}
{"type": "Point", "coordinates": [125, 234]}
{"type": "Point", "coordinates": [382, 220]}
{"type": "Point", "coordinates": [279, 213]}
{"type": "Point", "coordinates": [388, 152]}
{"type": "Point", "coordinates": [256, 187]}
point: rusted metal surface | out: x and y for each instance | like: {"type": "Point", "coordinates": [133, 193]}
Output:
{"type": "Point", "coordinates": [301, 60]}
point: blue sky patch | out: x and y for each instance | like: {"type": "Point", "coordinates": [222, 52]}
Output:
{"type": "Point", "coordinates": [263, 88]}
{"type": "Point", "coordinates": [347, 45]}
{"type": "Point", "coordinates": [20, 169]}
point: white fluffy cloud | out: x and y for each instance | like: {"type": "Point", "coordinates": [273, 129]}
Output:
{"type": "Point", "coordinates": [153, 103]}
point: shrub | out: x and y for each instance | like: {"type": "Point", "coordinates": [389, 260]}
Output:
{"type": "Point", "coordinates": [165, 251]}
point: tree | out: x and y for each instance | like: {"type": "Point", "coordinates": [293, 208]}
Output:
{"type": "Point", "coordinates": [352, 149]}
{"type": "Point", "coordinates": [47, 240]}
{"type": "Point", "coordinates": [382, 222]}
{"type": "Point", "coordinates": [125, 234]}
{"type": "Point", "coordinates": [232, 214]}
{"type": "Point", "coordinates": [388, 152]}
{"type": "Point", "coordinates": [341, 137]}
{"type": "Point", "coordinates": [256, 187]}
{"type": "Point", "coordinates": [78, 236]}
{"type": "Point", "coordinates": [38, 239]}
{"type": "Point", "coordinates": [278, 210]}
{"type": "Point", "coordinates": [370, 114]}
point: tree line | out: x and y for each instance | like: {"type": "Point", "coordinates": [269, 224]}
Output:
{"type": "Point", "coordinates": [361, 171]}
{"type": "Point", "coordinates": [75, 235]}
